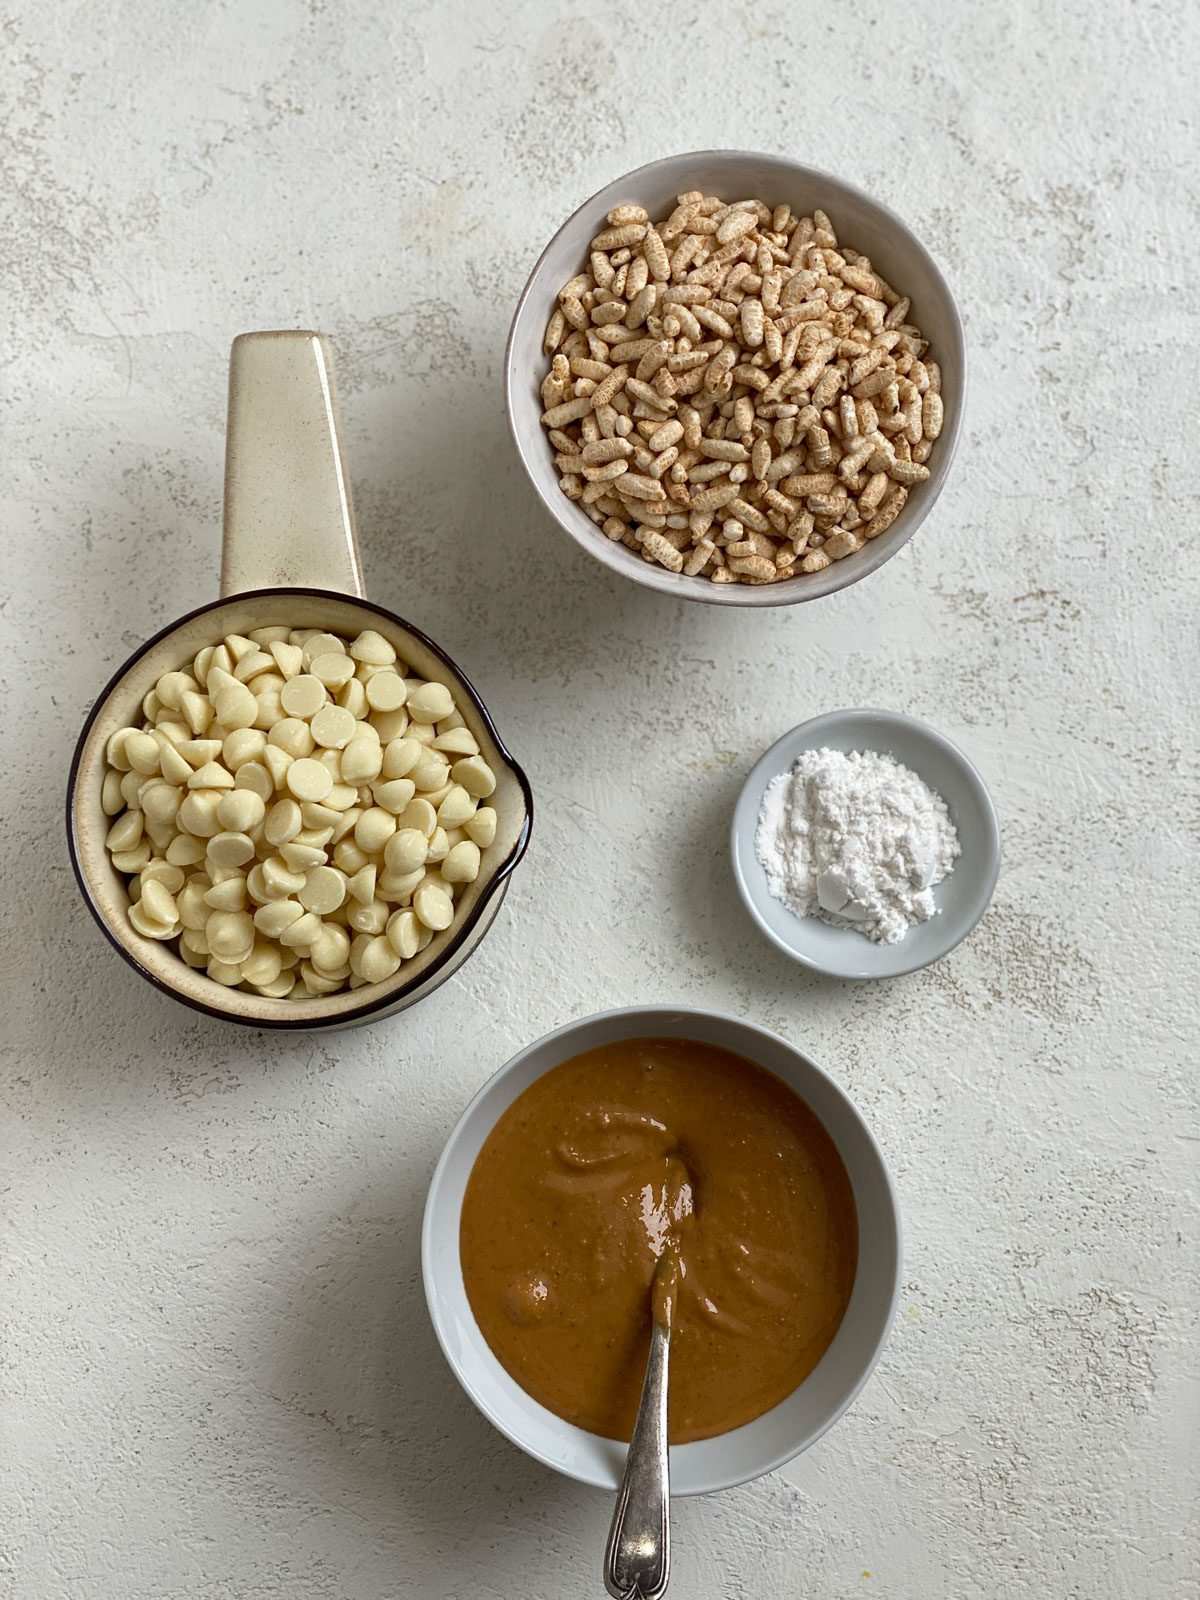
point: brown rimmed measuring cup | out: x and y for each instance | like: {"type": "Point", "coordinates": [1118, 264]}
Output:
{"type": "Point", "coordinates": [289, 557]}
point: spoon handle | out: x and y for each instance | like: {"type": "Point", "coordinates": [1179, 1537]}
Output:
{"type": "Point", "coordinates": [638, 1560]}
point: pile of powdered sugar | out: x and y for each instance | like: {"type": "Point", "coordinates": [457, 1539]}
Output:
{"type": "Point", "coordinates": [857, 840]}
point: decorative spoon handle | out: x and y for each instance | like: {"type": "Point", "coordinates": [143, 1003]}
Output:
{"type": "Point", "coordinates": [637, 1563]}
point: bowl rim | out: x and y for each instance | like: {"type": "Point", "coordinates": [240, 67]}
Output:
{"type": "Point", "coordinates": [767, 766]}
{"type": "Point", "coordinates": [833, 579]}
{"type": "Point", "coordinates": [649, 1015]}
{"type": "Point", "coordinates": [436, 971]}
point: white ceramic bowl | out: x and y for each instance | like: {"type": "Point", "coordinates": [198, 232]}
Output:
{"type": "Point", "coordinates": [961, 898]}
{"type": "Point", "coordinates": [779, 1434]}
{"type": "Point", "coordinates": [863, 223]}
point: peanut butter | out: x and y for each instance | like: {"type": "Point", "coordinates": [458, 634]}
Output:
{"type": "Point", "coordinates": [626, 1152]}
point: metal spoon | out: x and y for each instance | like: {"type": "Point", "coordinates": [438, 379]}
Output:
{"type": "Point", "coordinates": [637, 1563]}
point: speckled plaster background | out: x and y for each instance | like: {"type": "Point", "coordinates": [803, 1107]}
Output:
{"type": "Point", "coordinates": [219, 1377]}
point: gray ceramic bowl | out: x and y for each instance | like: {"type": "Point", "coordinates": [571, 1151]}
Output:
{"type": "Point", "coordinates": [778, 1434]}
{"type": "Point", "coordinates": [961, 898]}
{"type": "Point", "coordinates": [864, 224]}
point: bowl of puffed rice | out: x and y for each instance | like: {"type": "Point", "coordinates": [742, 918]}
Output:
{"type": "Point", "coordinates": [735, 379]}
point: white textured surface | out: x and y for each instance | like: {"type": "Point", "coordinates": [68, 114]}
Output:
{"type": "Point", "coordinates": [220, 1378]}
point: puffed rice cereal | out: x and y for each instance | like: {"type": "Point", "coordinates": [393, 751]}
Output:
{"type": "Point", "coordinates": [733, 394]}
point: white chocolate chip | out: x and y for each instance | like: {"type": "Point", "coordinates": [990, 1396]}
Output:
{"type": "Point", "coordinates": [227, 896]}
{"type": "Point", "coordinates": [439, 846]}
{"type": "Point", "coordinates": [111, 798]}
{"type": "Point", "coordinates": [230, 934]}
{"type": "Point", "coordinates": [394, 796]}
{"type": "Point", "coordinates": [433, 906]}
{"type": "Point", "coordinates": [241, 811]}
{"type": "Point", "coordinates": [308, 779]}
{"type": "Point", "coordinates": [462, 863]}
{"type": "Point", "coordinates": [303, 933]}
{"type": "Point", "coordinates": [185, 851]}
{"type": "Point", "coordinates": [373, 649]}
{"type": "Point", "coordinates": [274, 917]}
{"type": "Point", "coordinates": [158, 904]}
{"type": "Point", "coordinates": [324, 890]}
{"type": "Point", "coordinates": [320, 644]}
{"type": "Point", "coordinates": [399, 887]}
{"type": "Point", "coordinates": [148, 927]}
{"type": "Point", "coordinates": [406, 850]}
{"type": "Point", "coordinates": [242, 745]}
{"type": "Point", "coordinates": [457, 742]}
{"type": "Point", "coordinates": [236, 706]}
{"type": "Point", "coordinates": [389, 725]}
{"type": "Point", "coordinates": [212, 775]}
{"type": "Point", "coordinates": [374, 829]}
{"type": "Point", "coordinates": [198, 813]}
{"type": "Point", "coordinates": [373, 958]}
{"type": "Point", "coordinates": [386, 691]}
{"type": "Point", "coordinates": [263, 966]}
{"type": "Point", "coordinates": [273, 768]}
{"type": "Point", "coordinates": [457, 807]}
{"type": "Point", "coordinates": [370, 918]}
{"type": "Point", "coordinates": [289, 658]}
{"type": "Point", "coordinates": [399, 757]}
{"type": "Point", "coordinates": [230, 849]}
{"type": "Point", "coordinates": [476, 777]}
{"type": "Point", "coordinates": [303, 696]}
{"type": "Point", "coordinates": [126, 832]}
{"type": "Point", "coordinates": [198, 752]}
{"type": "Point", "coordinates": [159, 871]}
{"type": "Point", "coordinates": [428, 703]}
{"type": "Point", "coordinates": [482, 827]}
{"type": "Point", "coordinates": [331, 949]}
{"type": "Point", "coordinates": [403, 932]}
{"type": "Point", "coordinates": [279, 880]}
{"type": "Point", "coordinates": [298, 857]}
{"type": "Point", "coordinates": [362, 759]}
{"type": "Point", "coordinates": [334, 726]}
{"type": "Point", "coordinates": [141, 752]}
{"type": "Point", "coordinates": [334, 669]}
{"type": "Point", "coordinates": [418, 814]}
{"type": "Point", "coordinates": [431, 772]}
{"type": "Point", "coordinates": [361, 886]}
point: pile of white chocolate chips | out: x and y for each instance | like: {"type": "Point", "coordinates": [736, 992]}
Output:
{"type": "Point", "coordinates": [734, 394]}
{"type": "Point", "coordinates": [297, 810]}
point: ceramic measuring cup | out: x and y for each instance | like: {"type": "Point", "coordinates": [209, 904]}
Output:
{"type": "Point", "coordinates": [289, 556]}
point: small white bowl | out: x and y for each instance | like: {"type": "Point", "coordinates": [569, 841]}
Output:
{"type": "Point", "coordinates": [961, 898]}
{"type": "Point", "coordinates": [861, 222]}
{"type": "Point", "coordinates": [779, 1434]}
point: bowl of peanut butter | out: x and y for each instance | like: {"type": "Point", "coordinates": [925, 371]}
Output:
{"type": "Point", "coordinates": [599, 1147]}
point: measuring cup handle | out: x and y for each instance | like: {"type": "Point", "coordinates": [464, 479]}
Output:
{"type": "Point", "coordinates": [289, 520]}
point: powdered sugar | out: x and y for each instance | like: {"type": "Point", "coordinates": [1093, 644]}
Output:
{"type": "Point", "coordinates": [857, 840]}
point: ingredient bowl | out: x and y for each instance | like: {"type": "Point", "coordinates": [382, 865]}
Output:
{"type": "Point", "coordinates": [861, 222]}
{"type": "Point", "coordinates": [777, 1435]}
{"type": "Point", "coordinates": [289, 556]}
{"type": "Point", "coordinates": [962, 897]}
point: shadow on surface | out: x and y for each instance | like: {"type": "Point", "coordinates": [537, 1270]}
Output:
{"type": "Point", "coordinates": [369, 1392]}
